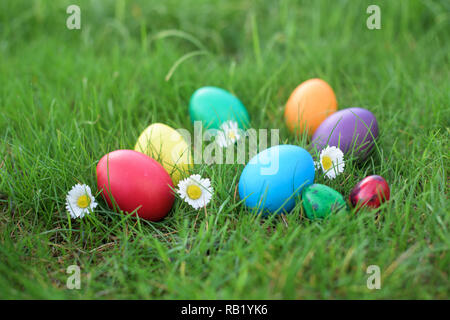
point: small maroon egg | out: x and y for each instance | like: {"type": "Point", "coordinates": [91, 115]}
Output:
{"type": "Point", "coordinates": [135, 181]}
{"type": "Point", "coordinates": [371, 192]}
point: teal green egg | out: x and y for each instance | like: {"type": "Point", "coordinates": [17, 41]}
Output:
{"type": "Point", "coordinates": [213, 106]}
{"type": "Point", "coordinates": [319, 201]}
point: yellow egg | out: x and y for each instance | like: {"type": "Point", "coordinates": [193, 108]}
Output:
{"type": "Point", "coordinates": [168, 147]}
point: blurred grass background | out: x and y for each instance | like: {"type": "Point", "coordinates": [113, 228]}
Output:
{"type": "Point", "coordinates": [69, 96]}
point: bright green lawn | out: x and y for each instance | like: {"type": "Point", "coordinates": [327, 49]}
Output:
{"type": "Point", "coordinates": [69, 97]}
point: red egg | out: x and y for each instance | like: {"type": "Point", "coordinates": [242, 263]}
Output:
{"type": "Point", "coordinates": [370, 192]}
{"type": "Point", "coordinates": [135, 181]}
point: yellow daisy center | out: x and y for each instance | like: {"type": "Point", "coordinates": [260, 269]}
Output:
{"type": "Point", "coordinates": [326, 162]}
{"type": "Point", "coordinates": [194, 192]}
{"type": "Point", "coordinates": [83, 201]}
{"type": "Point", "coordinates": [231, 135]}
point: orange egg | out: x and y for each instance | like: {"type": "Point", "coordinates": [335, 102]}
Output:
{"type": "Point", "coordinates": [309, 104]}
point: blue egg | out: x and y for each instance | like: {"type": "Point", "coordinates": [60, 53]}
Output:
{"type": "Point", "coordinates": [273, 179]}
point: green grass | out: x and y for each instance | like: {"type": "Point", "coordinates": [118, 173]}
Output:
{"type": "Point", "coordinates": [68, 97]}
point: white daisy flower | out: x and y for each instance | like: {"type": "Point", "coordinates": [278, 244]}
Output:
{"type": "Point", "coordinates": [332, 161]}
{"type": "Point", "coordinates": [229, 134]}
{"type": "Point", "coordinates": [79, 201]}
{"type": "Point", "coordinates": [195, 191]}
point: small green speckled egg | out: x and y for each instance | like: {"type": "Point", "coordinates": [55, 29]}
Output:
{"type": "Point", "coordinates": [319, 201]}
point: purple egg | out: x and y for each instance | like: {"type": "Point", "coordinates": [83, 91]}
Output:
{"type": "Point", "coordinates": [352, 129]}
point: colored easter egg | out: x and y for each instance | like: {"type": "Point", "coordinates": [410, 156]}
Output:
{"type": "Point", "coordinates": [351, 130]}
{"type": "Point", "coordinates": [370, 192]}
{"type": "Point", "coordinates": [319, 201]}
{"type": "Point", "coordinates": [168, 147]}
{"type": "Point", "coordinates": [213, 106]}
{"type": "Point", "coordinates": [132, 180]}
{"type": "Point", "coordinates": [309, 104]}
{"type": "Point", "coordinates": [273, 178]}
